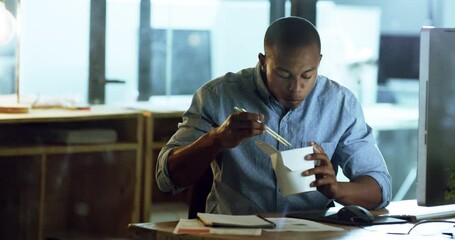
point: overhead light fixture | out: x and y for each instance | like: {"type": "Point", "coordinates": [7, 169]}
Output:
{"type": "Point", "coordinates": [7, 25]}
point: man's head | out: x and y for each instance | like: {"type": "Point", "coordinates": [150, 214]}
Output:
{"type": "Point", "coordinates": [292, 54]}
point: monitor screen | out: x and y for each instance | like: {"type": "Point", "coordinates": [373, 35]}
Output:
{"type": "Point", "coordinates": [398, 57]}
{"type": "Point", "coordinates": [436, 154]}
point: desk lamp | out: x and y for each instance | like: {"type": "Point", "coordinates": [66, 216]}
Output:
{"type": "Point", "coordinates": [7, 25]}
{"type": "Point", "coordinates": [8, 29]}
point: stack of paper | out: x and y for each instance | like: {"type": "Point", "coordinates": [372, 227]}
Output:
{"type": "Point", "coordinates": [250, 225]}
{"type": "Point", "coordinates": [194, 226]}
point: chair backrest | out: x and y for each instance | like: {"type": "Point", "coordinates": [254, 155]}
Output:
{"type": "Point", "coordinates": [199, 193]}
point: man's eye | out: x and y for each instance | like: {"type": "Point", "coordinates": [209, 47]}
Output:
{"type": "Point", "coordinates": [283, 75]}
{"type": "Point", "coordinates": [306, 76]}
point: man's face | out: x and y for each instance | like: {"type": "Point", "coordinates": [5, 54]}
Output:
{"type": "Point", "coordinates": [291, 72]}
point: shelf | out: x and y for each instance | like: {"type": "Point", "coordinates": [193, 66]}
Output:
{"type": "Point", "coordinates": [95, 189]}
{"type": "Point", "coordinates": [62, 115]}
{"type": "Point", "coordinates": [56, 149]}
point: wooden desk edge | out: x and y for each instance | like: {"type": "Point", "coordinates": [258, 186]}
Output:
{"type": "Point", "coordinates": [150, 230]}
{"type": "Point", "coordinates": [164, 230]}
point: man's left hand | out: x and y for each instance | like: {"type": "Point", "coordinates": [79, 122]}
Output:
{"type": "Point", "coordinates": [326, 181]}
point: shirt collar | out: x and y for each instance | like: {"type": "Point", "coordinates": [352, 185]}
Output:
{"type": "Point", "coordinates": [261, 88]}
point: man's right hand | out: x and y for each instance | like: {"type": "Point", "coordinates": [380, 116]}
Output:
{"type": "Point", "coordinates": [238, 127]}
{"type": "Point", "coordinates": [181, 160]}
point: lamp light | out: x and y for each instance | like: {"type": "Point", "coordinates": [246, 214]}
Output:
{"type": "Point", "coordinates": [7, 25]}
{"type": "Point", "coordinates": [8, 30]}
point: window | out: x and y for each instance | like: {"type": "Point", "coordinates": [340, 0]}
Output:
{"type": "Point", "coordinates": [195, 41]}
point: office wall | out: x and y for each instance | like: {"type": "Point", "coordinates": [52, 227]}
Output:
{"type": "Point", "coordinates": [403, 16]}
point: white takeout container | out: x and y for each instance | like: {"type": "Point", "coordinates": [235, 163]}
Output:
{"type": "Point", "coordinates": [289, 166]}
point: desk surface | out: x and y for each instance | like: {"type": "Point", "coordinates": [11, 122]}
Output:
{"type": "Point", "coordinates": [391, 117]}
{"type": "Point", "coordinates": [163, 230]}
{"type": "Point", "coordinates": [60, 115]}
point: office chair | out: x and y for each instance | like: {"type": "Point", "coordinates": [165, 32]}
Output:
{"type": "Point", "coordinates": [199, 194]}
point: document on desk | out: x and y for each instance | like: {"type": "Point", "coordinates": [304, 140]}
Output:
{"type": "Point", "coordinates": [399, 229]}
{"type": "Point", "coordinates": [240, 221]}
{"type": "Point", "coordinates": [300, 225]}
{"type": "Point", "coordinates": [194, 226]}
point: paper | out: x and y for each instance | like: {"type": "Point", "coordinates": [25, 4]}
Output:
{"type": "Point", "coordinates": [190, 226]}
{"type": "Point", "coordinates": [289, 166]}
{"type": "Point", "coordinates": [300, 225]}
{"type": "Point", "coordinates": [399, 229]}
{"type": "Point", "coordinates": [194, 226]}
{"type": "Point", "coordinates": [243, 221]}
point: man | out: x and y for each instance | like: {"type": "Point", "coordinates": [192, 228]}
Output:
{"type": "Point", "coordinates": [284, 92]}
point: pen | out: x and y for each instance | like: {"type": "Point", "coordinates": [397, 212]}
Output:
{"type": "Point", "coordinates": [269, 130]}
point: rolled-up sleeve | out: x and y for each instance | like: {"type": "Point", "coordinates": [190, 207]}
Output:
{"type": "Point", "coordinates": [368, 161]}
{"type": "Point", "coordinates": [163, 180]}
{"type": "Point", "coordinates": [194, 124]}
{"type": "Point", "coordinates": [358, 154]}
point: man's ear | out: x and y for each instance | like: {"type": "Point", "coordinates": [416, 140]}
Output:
{"type": "Point", "coordinates": [261, 58]}
{"type": "Point", "coordinates": [320, 58]}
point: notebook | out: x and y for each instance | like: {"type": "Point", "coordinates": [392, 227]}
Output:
{"type": "Point", "coordinates": [241, 221]}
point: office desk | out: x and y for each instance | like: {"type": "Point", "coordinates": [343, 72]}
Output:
{"type": "Point", "coordinates": [388, 117]}
{"type": "Point", "coordinates": [163, 230]}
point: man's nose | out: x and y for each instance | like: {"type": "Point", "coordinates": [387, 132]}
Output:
{"type": "Point", "coordinates": [294, 85]}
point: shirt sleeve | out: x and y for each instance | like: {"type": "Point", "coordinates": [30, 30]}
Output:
{"type": "Point", "coordinates": [163, 180]}
{"type": "Point", "coordinates": [368, 161]}
{"type": "Point", "coordinates": [358, 154]}
{"type": "Point", "coordinates": [194, 124]}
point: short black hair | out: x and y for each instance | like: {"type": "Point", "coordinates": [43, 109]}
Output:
{"type": "Point", "coordinates": [292, 32]}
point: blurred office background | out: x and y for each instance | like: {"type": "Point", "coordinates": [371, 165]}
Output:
{"type": "Point", "coordinates": [161, 51]}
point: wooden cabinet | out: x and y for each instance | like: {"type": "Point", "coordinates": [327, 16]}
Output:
{"type": "Point", "coordinates": [54, 190]}
{"type": "Point", "coordinates": [160, 126]}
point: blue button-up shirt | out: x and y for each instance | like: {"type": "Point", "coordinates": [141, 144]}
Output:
{"type": "Point", "coordinates": [244, 181]}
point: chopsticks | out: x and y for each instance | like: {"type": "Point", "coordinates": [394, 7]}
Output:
{"type": "Point", "coordinates": [269, 130]}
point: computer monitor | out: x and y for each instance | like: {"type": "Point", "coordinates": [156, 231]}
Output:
{"type": "Point", "coordinates": [398, 57]}
{"type": "Point", "coordinates": [436, 127]}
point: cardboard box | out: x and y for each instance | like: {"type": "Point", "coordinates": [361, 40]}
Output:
{"type": "Point", "coordinates": [289, 166]}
